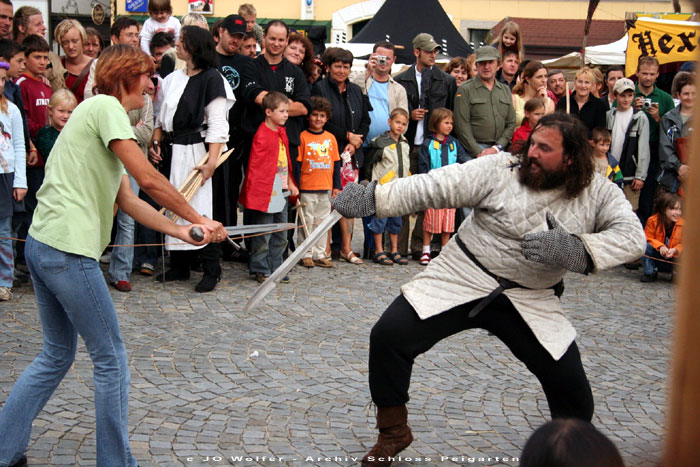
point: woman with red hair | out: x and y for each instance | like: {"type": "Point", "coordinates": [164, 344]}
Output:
{"type": "Point", "coordinates": [72, 223]}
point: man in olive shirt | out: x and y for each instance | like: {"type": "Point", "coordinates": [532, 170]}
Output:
{"type": "Point", "coordinates": [484, 115]}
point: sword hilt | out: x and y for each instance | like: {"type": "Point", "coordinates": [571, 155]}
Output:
{"type": "Point", "coordinates": [196, 234]}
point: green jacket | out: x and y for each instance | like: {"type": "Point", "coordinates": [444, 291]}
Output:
{"type": "Point", "coordinates": [666, 104]}
{"type": "Point", "coordinates": [385, 155]}
{"type": "Point", "coordinates": [482, 116]}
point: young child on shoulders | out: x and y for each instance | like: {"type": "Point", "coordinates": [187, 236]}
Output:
{"type": "Point", "coordinates": [268, 182]}
{"type": "Point", "coordinates": [319, 177]}
{"type": "Point", "coordinates": [664, 231]}
{"type": "Point", "coordinates": [534, 111]}
{"type": "Point", "coordinates": [161, 20]}
{"type": "Point", "coordinates": [438, 150]}
{"type": "Point", "coordinates": [510, 39]}
{"type": "Point", "coordinates": [387, 159]}
{"type": "Point", "coordinates": [603, 162]}
{"type": "Point", "coordinates": [61, 106]}
{"type": "Point", "coordinates": [12, 180]}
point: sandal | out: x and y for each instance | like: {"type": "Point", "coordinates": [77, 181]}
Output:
{"type": "Point", "coordinates": [351, 258]}
{"type": "Point", "coordinates": [398, 259]}
{"type": "Point", "coordinates": [382, 258]}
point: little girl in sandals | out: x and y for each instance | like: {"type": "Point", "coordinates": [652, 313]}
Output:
{"type": "Point", "coordinates": [438, 150]}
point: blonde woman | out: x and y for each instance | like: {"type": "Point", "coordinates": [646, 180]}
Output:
{"type": "Point", "coordinates": [71, 36]}
{"type": "Point", "coordinates": [583, 104]}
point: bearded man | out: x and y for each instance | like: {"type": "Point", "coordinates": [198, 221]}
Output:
{"type": "Point", "coordinates": [535, 216]}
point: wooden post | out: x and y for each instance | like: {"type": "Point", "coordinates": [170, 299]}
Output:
{"type": "Point", "coordinates": [683, 421]}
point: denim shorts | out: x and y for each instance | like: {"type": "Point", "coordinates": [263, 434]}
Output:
{"type": "Point", "coordinates": [379, 225]}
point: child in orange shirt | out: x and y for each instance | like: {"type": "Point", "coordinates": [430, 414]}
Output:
{"type": "Point", "coordinates": [319, 173]}
{"type": "Point", "coordinates": [663, 231]}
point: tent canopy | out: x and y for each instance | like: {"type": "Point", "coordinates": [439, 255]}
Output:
{"type": "Point", "coordinates": [399, 21]}
{"type": "Point", "coordinates": [606, 54]}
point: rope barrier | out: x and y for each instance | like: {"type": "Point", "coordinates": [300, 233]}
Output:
{"type": "Point", "coordinates": [258, 235]}
{"type": "Point", "coordinates": [177, 243]}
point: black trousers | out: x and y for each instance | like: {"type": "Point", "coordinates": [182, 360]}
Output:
{"type": "Point", "coordinates": [400, 336]}
{"type": "Point", "coordinates": [210, 255]}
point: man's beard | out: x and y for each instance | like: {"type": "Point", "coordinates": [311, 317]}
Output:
{"type": "Point", "coordinates": [540, 179]}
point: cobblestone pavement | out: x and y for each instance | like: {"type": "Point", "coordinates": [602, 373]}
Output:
{"type": "Point", "coordinates": [289, 380]}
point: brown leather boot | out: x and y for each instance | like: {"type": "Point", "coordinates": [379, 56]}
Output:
{"type": "Point", "coordinates": [394, 436]}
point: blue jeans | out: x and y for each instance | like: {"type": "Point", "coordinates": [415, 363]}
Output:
{"type": "Point", "coordinates": [146, 254]}
{"type": "Point", "coordinates": [7, 263]}
{"type": "Point", "coordinates": [379, 225]}
{"type": "Point", "coordinates": [266, 251]}
{"type": "Point", "coordinates": [72, 299]}
{"type": "Point", "coordinates": [122, 259]}
{"type": "Point", "coordinates": [650, 266]}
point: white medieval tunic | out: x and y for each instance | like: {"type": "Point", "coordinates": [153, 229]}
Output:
{"type": "Point", "coordinates": [190, 103]}
{"type": "Point", "coordinates": [504, 211]}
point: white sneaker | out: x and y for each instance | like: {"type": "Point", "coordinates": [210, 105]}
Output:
{"type": "Point", "coordinates": [104, 259]}
{"type": "Point", "coordinates": [5, 294]}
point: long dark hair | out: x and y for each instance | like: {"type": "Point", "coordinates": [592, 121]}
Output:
{"type": "Point", "coordinates": [200, 45]}
{"type": "Point", "coordinates": [529, 71]}
{"type": "Point", "coordinates": [575, 148]}
{"type": "Point", "coordinates": [307, 64]}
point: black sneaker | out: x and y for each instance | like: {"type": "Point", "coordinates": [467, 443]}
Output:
{"type": "Point", "coordinates": [239, 256]}
{"type": "Point", "coordinates": [173, 275]}
{"type": "Point", "coordinates": [649, 277]}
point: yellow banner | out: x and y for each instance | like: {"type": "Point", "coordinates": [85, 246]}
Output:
{"type": "Point", "coordinates": [668, 41]}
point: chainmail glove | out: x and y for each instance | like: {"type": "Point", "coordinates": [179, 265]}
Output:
{"type": "Point", "coordinates": [556, 247]}
{"type": "Point", "coordinates": [356, 200]}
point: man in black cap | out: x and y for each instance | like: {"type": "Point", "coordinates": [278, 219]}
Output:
{"type": "Point", "coordinates": [427, 88]}
{"type": "Point", "coordinates": [227, 180]}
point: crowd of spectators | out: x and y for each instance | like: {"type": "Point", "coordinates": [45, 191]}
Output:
{"type": "Point", "coordinates": [286, 143]}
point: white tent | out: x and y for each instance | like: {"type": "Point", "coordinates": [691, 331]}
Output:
{"type": "Point", "coordinates": [606, 54]}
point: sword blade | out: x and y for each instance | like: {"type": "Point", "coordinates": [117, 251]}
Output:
{"type": "Point", "coordinates": [291, 261]}
{"type": "Point", "coordinates": [257, 228]}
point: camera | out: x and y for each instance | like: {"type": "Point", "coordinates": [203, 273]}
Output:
{"type": "Point", "coordinates": [381, 59]}
{"type": "Point", "coordinates": [647, 103]}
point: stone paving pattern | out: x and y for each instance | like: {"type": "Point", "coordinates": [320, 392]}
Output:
{"type": "Point", "coordinates": [289, 380]}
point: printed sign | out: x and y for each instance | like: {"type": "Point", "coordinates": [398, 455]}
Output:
{"type": "Point", "coordinates": [668, 41]}
{"type": "Point", "coordinates": [137, 6]}
{"type": "Point", "coordinates": [204, 7]}
{"type": "Point", "coordinates": [79, 7]}
{"type": "Point", "coordinates": [307, 9]}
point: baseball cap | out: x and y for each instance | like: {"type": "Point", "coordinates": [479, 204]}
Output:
{"type": "Point", "coordinates": [234, 24]}
{"type": "Point", "coordinates": [425, 42]}
{"type": "Point", "coordinates": [622, 85]}
{"type": "Point", "coordinates": [486, 53]}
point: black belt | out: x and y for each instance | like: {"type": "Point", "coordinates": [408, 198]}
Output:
{"type": "Point", "coordinates": [184, 137]}
{"type": "Point", "coordinates": [503, 283]}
